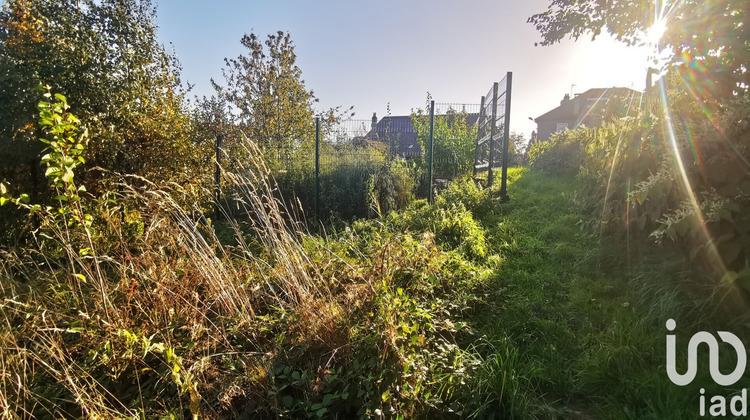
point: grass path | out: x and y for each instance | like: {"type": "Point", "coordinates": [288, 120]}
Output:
{"type": "Point", "coordinates": [572, 330]}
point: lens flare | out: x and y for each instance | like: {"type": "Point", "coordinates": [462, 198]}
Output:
{"type": "Point", "coordinates": [656, 31]}
{"type": "Point", "coordinates": [672, 138]}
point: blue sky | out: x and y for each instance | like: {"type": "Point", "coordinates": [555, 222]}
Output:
{"type": "Point", "coordinates": [370, 54]}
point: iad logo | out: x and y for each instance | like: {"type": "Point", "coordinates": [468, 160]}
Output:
{"type": "Point", "coordinates": [713, 357]}
{"type": "Point", "coordinates": [719, 407]}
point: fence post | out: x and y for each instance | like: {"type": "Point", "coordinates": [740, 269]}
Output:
{"type": "Point", "coordinates": [506, 138]}
{"type": "Point", "coordinates": [317, 168]}
{"type": "Point", "coordinates": [493, 130]}
{"type": "Point", "coordinates": [429, 167]}
{"type": "Point", "coordinates": [217, 178]}
{"type": "Point", "coordinates": [479, 134]}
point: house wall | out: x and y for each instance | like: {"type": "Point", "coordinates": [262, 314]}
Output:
{"type": "Point", "coordinates": [547, 128]}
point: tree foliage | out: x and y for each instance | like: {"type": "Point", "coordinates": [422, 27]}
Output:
{"type": "Point", "coordinates": [707, 38]}
{"type": "Point", "coordinates": [266, 88]}
{"type": "Point", "coordinates": [454, 139]}
{"type": "Point", "coordinates": [105, 56]}
{"type": "Point", "coordinates": [684, 159]}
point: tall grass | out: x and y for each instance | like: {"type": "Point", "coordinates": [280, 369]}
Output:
{"type": "Point", "coordinates": [142, 311]}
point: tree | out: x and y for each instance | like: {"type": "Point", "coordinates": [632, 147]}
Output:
{"type": "Point", "coordinates": [708, 39]}
{"type": "Point", "coordinates": [105, 57]}
{"type": "Point", "coordinates": [454, 140]}
{"type": "Point", "coordinates": [266, 88]}
{"type": "Point", "coordinates": [684, 162]}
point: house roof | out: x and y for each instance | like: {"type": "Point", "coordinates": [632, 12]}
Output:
{"type": "Point", "coordinates": [399, 133]}
{"type": "Point", "coordinates": [571, 109]}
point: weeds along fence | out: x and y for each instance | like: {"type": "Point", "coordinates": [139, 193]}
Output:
{"type": "Point", "coordinates": [360, 168]}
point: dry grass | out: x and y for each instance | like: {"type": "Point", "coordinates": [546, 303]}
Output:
{"type": "Point", "coordinates": [86, 319]}
{"type": "Point", "coordinates": [146, 313]}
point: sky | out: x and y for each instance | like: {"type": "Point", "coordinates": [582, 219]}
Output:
{"type": "Point", "coordinates": [385, 54]}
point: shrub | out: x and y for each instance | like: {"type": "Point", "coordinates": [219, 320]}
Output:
{"type": "Point", "coordinates": [452, 225]}
{"type": "Point", "coordinates": [114, 312]}
{"type": "Point", "coordinates": [355, 182]}
{"type": "Point", "coordinates": [465, 190]}
{"type": "Point", "coordinates": [562, 154]}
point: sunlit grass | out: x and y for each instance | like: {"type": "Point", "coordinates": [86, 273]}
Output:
{"type": "Point", "coordinates": [586, 322]}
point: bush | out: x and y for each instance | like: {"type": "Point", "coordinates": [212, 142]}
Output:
{"type": "Point", "coordinates": [451, 224]}
{"type": "Point", "coordinates": [669, 173]}
{"type": "Point", "coordinates": [355, 182]}
{"type": "Point", "coordinates": [465, 190]}
{"type": "Point", "coordinates": [113, 312]}
{"type": "Point", "coordinates": [562, 154]}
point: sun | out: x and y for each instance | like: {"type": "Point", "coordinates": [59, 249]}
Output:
{"type": "Point", "coordinates": [656, 31]}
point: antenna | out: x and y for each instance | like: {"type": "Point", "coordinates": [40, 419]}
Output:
{"type": "Point", "coordinates": [571, 90]}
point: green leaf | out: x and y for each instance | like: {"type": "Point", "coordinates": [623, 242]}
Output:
{"type": "Point", "coordinates": [385, 395]}
{"type": "Point", "coordinates": [52, 171]}
{"type": "Point", "coordinates": [68, 176]}
{"type": "Point", "coordinates": [287, 400]}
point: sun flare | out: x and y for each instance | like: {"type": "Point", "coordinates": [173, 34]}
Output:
{"type": "Point", "coordinates": [656, 31]}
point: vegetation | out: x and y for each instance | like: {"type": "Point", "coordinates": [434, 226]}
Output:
{"type": "Point", "coordinates": [120, 297]}
{"type": "Point", "coordinates": [454, 140]}
{"type": "Point", "coordinates": [355, 181]}
{"type": "Point", "coordinates": [266, 87]}
{"type": "Point", "coordinates": [122, 305]}
{"type": "Point", "coordinates": [708, 41]}
{"type": "Point", "coordinates": [105, 56]}
{"type": "Point", "coordinates": [685, 189]}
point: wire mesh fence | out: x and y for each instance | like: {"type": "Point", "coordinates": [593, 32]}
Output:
{"type": "Point", "coordinates": [492, 149]}
{"type": "Point", "coordinates": [358, 168]}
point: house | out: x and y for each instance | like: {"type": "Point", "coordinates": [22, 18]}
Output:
{"type": "Point", "coordinates": [589, 109]}
{"type": "Point", "coordinates": [399, 134]}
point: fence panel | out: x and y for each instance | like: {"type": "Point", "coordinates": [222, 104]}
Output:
{"type": "Point", "coordinates": [358, 168]}
{"type": "Point", "coordinates": [493, 136]}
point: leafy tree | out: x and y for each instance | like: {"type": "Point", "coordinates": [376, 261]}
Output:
{"type": "Point", "coordinates": [517, 148]}
{"type": "Point", "coordinates": [106, 57]}
{"type": "Point", "coordinates": [454, 141]}
{"type": "Point", "coordinates": [266, 88]}
{"type": "Point", "coordinates": [709, 39]}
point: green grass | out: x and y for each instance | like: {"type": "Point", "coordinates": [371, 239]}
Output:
{"type": "Point", "coordinates": [468, 308]}
{"type": "Point", "coordinates": [577, 327]}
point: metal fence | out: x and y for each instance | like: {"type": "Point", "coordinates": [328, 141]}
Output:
{"type": "Point", "coordinates": [352, 168]}
{"type": "Point", "coordinates": [493, 132]}
{"type": "Point", "coordinates": [357, 168]}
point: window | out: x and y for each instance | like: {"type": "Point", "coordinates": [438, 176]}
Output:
{"type": "Point", "coordinates": [561, 127]}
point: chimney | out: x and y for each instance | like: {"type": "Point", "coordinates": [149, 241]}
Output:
{"type": "Point", "coordinates": [566, 98]}
{"type": "Point", "coordinates": [374, 120]}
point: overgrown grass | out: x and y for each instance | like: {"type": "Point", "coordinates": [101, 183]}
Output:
{"type": "Point", "coordinates": [143, 312]}
{"type": "Point", "coordinates": [577, 319]}
{"type": "Point", "coordinates": [465, 308]}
